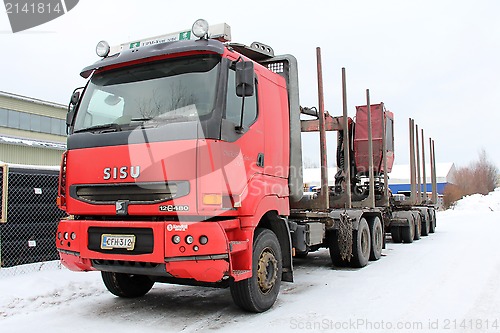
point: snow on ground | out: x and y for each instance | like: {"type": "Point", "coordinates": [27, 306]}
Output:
{"type": "Point", "coordinates": [447, 282]}
{"type": "Point", "coordinates": [490, 202]}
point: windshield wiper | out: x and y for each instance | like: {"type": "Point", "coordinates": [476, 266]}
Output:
{"type": "Point", "coordinates": [141, 119]}
{"type": "Point", "coordinates": [101, 128]}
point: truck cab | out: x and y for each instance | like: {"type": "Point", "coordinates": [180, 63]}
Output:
{"type": "Point", "coordinates": [177, 167]}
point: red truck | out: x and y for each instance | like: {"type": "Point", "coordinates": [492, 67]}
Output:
{"type": "Point", "coordinates": [184, 165]}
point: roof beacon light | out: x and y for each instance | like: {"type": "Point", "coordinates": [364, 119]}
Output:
{"type": "Point", "coordinates": [102, 49]}
{"type": "Point", "coordinates": [200, 28]}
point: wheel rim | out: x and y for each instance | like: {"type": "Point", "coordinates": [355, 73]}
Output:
{"type": "Point", "coordinates": [267, 272]}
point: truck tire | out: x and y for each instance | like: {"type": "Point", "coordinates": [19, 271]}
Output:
{"type": "Point", "coordinates": [408, 233]}
{"type": "Point", "coordinates": [377, 238]}
{"type": "Point", "coordinates": [258, 293]}
{"type": "Point", "coordinates": [127, 285]}
{"type": "Point", "coordinates": [418, 225]}
{"type": "Point", "coordinates": [396, 234]}
{"type": "Point", "coordinates": [334, 248]}
{"type": "Point", "coordinates": [361, 245]}
{"type": "Point", "coordinates": [426, 225]}
{"type": "Point", "coordinates": [432, 214]}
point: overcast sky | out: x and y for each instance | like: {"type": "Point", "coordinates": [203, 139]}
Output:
{"type": "Point", "coordinates": [436, 61]}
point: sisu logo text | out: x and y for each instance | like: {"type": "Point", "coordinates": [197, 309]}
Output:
{"type": "Point", "coordinates": [121, 172]}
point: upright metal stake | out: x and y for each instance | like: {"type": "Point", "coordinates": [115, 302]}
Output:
{"type": "Point", "coordinates": [371, 196]}
{"type": "Point", "coordinates": [325, 204]}
{"type": "Point", "coordinates": [419, 184]}
{"type": "Point", "coordinates": [432, 171]}
{"type": "Point", "coordinates": [424, 178]}
{"type": "Point", "coordinates": [347, 143]}
{"type": "Point", "coordinates": [434, 176]}
{"type": "Point", "coordinates": [412, 163]}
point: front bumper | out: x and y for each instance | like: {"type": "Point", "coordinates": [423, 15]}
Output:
{"type": "Point", "coordinates": [155, 252]}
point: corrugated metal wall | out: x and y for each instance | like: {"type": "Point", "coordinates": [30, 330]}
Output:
{"type": "Point", "coordinates": [25, 154]}
{"type": "Point", "coordinates": [29, 155]}
{"type": "Point", "coordinates": [32, 107]}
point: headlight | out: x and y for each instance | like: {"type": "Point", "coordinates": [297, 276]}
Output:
{"type": "Point", "coordinates": [200, 28]}
{"type": "Point", "coordinates": [189, 239]}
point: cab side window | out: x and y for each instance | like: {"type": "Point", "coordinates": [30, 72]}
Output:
{"type": "Point", "coordinates": [233, 104]}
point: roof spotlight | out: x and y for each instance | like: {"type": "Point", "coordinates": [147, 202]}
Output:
{"type": "Point", "coordinates": [102, 49]}
{"type": "Point", "coordinates": [200, 28]}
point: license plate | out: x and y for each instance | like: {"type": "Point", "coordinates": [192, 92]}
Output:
{"type": "Point", "coordinates": [109, 242]}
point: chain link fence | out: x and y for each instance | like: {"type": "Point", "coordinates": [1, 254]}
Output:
{"type": "Point", "coordinates": [29, 217]}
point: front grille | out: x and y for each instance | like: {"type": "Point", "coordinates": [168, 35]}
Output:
{"type": "Point", "coordinates": [138, 193]}
{"type": "Point", "coordinates": [144, 240]}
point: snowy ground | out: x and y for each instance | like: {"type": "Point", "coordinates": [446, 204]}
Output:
{"type": "Point", "coordinates": [448, 281]}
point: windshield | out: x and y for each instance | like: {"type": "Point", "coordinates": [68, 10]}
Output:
{"type": "Point", "coordinates": [159, 93]}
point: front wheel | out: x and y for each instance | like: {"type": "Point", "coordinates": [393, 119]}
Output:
{"type": "Point", "coordinates": [258, 293]}
{"type": "Point", "coordinates": [127, 285]}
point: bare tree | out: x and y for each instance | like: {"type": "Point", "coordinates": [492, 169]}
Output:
{"type": "Point", "coordinates": [479, 177]}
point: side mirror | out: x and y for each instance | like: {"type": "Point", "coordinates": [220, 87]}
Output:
{"type": "Point", "coordinates": [245, 78]}
{"type": "Point", "coordinates": [75, 98]}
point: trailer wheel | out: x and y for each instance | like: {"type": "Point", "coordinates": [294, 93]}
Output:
{"type": "Point", "coordinates": [361, 245]}
{"type": "Point", "coordinates": [377, 239]}
{"type": "Point", "coordinates": [432, 214]}
{"type": "Point", "coordinates": [396, 234]}
{"type": "Point", "coordinates": [426, 225]}
{"type": "Point", "coordinates": [258, 293]}
{"type": "Point", "coordinates": [127, 285]}
{"type": "Point", "coordinates": [408, 233]}
{"type": "Point", "coordinates": [418, 225]}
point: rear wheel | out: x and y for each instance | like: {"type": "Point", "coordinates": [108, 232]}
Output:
{"type": "Point", "coordinates": [258, 293]}
{"type": "Point", "coordinates": [408, 233]}
{"type": "Point", "coordinates": [335, 251]}
{"type": "Point", "coordinates": [426, 225]}
{"type": "Point", "coordinates": [127, 285]}
{"type": "Point", "coordinates": [418, 225]}
{"type": "Point", "coordinates": [361, 245]}
{"type": "Point", "coordinates": [377, 239]}
{"type": "Point", "coordinates": [432, 214]}
{"type": "Point", "coordinates": [396, 234]}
